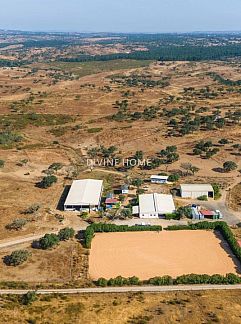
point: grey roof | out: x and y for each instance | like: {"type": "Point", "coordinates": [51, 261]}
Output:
{"type": "Point", "coordinates": [84, 192]}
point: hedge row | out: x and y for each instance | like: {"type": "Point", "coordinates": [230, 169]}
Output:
{"type": "Point", "coordinates": [222, 227]}
{"type": "Point", "coordinates": [216, 279]}
{"type": "Point", "coordinates": [102, 227]}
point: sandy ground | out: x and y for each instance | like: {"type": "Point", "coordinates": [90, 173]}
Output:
{"type": "Point", "coordinates": [150, 254]}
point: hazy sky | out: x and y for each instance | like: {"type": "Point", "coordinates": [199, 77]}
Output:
{"type": "Point", "coordinates": [121, 16]}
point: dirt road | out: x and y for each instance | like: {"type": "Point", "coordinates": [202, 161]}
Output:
{"type": "Point", "coordinates": [150, 289]}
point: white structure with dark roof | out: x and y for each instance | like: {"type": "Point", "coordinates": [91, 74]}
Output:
{"type": "Point", "coordinates": [84, 195]}
{"type": "Point", "coordinates": [155, 205]}
{"type": "Point", "coordinates": [196, 190]}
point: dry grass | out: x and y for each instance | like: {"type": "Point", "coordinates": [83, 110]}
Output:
{"type": "Point", "coordinates": [183, 307]}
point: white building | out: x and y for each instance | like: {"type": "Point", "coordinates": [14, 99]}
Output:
{"type": "Point", "coordinates": [196, 190]}
{"type": "Point", "coordinates": [159, 179]}
{"type": "Point", "coordinates": [155, 205]}
{"type": "Point", "coordinates": [84, 195]}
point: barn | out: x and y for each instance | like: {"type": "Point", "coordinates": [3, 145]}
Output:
{"type": "Point", "coordinates": [155, 205]}
{"type": "Point", "coordinates": [84, 195]}
{"type": "Point", "coordinates": [196, 190]}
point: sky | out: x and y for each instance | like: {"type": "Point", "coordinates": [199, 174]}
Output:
{"type": "Point", "coordinates": [150, 16]}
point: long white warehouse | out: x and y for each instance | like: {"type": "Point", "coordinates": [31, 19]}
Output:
{"type": "Point", "coordinates": [84, 195]}
{"type": "Point", "coordinates": [196, 190]}
{"type": "Point", "coordinates": [155, 205]}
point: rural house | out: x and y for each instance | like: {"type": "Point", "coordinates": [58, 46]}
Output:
{"type": "Point", "coordinates": [84, 195]}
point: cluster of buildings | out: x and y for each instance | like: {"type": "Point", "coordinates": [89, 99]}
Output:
{"type": "Point", "coordinates": [86, 195]}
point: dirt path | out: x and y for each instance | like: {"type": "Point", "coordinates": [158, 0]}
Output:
{"type": "Point", "coordinates": [151, 289]}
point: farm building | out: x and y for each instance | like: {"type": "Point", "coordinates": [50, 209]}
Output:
{"type": "Point", "coordinates": [84, 195]}
{"type": "Point", "coordinates": [155, 205]}
{"type": "Point", "coordinates": [196, 190]}
{"type": "Point", "coordinates": [159, 179]}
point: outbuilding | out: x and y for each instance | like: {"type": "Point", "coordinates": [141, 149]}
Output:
{"type": "Point", "coordinates": [155, 205]}
{"type": "Point", "coordinates": [196, 190]}
{"type": "Point", "coordinates": [84, 195]}
{"type": "Point", "coordinates": [159, 179]}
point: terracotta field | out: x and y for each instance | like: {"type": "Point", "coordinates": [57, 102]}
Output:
{"type": "Point", "coordinates": [150, 254]}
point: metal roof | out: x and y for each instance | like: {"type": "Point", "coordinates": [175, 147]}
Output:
{"type": "Point", "coordinates": [196, 187]}
{"type": "Point", "coordinates": [84, 192]}
{"type": "Point", "coordinates": [156, 203]}
{"type": "Point", "coordinates": [159, 177]}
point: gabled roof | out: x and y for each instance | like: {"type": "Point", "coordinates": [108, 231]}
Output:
{"type": "Point", "coordinates": [196, 187]}
{"type": "Point", "coordinates": [84, 192]}
{"type": "Point", "coordinates": [156, 203]}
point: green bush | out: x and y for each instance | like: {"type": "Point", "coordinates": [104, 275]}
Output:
{"type": "Point", "coordinates": [17, 257]}
{"type": "Point", "coordinates": [48, 181]}
{"type": "Point", "coordinates": [48, 241]}
{"type": "Point", "coordinates": [29, 298]}
{"type": "Point", "coordinates": [2, 163]}
{"type": "Point", "coordinates": [66, 233]}
{"type": "Point", "coordinates": [216, 190]}
{"type": "Point", "coordinates": [17, 224]}
{"type": "Point", "coordinates": [173, 177]}
{"type": "Point", "coordinates": [203, 198]}
{"type": "Point", "coordinates": [102, 227]}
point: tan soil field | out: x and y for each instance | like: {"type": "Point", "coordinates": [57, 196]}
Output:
{"type": "Point", "coordinates": [150, 254]}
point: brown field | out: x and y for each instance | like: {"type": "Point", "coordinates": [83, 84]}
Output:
{"type": "Point", "coordinates": [139, 308]}
{"type": "Point", "coordinates": [150, 254]}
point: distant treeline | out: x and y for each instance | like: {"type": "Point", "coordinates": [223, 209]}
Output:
{"type": "Point", "coordinates": [168, 53]}
{"type": "Point", "coordinates": [224, 81]}
{"type": "Point", "coordinates": [11, 63]}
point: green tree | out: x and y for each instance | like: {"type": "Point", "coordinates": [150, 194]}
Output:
{"type": "Point", "coordinates": [29, 298]}
{"type": "Point", "coordinates": [66, 233]}
{"type": "Point", "coordinates": [48, 181]}
{"type": "Point", "coordinates": [229, 166]}
{"type": "Point", "coordinates": [48, 241]}
{"type": "Point", "coordinates": [2, 163]}
{"type": "Point", "coordinates": [17, 257]}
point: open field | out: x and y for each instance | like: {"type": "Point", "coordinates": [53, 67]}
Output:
{"type": "Point", "coordinates": [133, 308]}
{"type": "Point", "coordinates": [147, 254]}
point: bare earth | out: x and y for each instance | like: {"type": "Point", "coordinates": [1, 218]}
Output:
{"type": "Point", "coordinates": [150, 254]}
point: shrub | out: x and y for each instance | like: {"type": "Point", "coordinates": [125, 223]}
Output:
{"type": "Point", "coordinates": [173, 177]}
{"type": "Point", "coordinates": [17, 224]}
{"type": "Point", "coordinates": [203, 198]}
{"type": "Point", "coordinates": [216, 190]}
{"type": "Point", "coordinates": [48, 241]}
{"type": "Point", "coordinates": [55, 166]}
{"type": "Point", "coordinates": [229, 166]}
{"type": "Point", "coordinates": [29, 298]}
{"type": "Point", "coordinates": [32, 209]}
{"type": "Point", "coordinates": [48, 181]}
{"type": "Point", "coordinates": [66, 233]}
{"type": "Point", "coordinates": [17, 257]}
{"type": "Point", "coordinates": [2, 163]}
{"type": "Point", "coordinates": [184, 211]}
